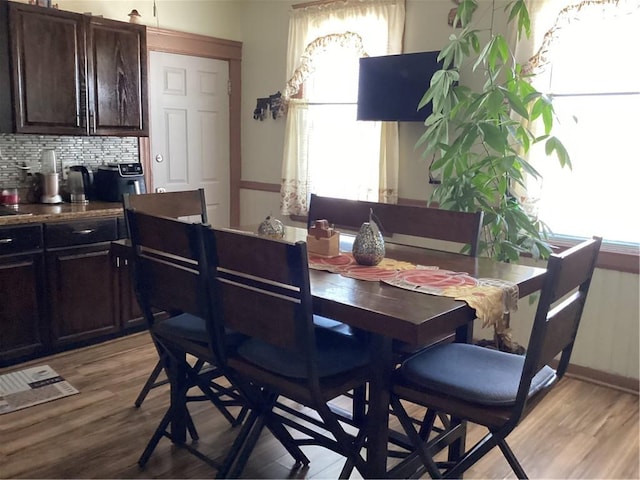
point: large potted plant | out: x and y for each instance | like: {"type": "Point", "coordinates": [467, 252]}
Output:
{"type": "Point", "coordinates": [478, 139]}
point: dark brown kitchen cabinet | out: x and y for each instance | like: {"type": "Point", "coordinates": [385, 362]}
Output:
{"type": "Point", "coordinates": [83, 286]}
{"type": "Point", "coordinates": [23, 329]}
{"type": "Point", "coordinates": [74, 74]}
{"type": "Point", "coordinates": [118, 68]}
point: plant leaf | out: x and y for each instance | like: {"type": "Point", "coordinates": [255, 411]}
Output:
{"type": "Point", "coordinates": [515, 102]}
{"type": "Point", "coordinates": [492, 136]}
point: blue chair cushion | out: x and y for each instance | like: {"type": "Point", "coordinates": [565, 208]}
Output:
{"type": "Point", "coordinates": [184, 325]}
{"type": "Point", "coordinates": [337, 353]}
{"type": "Point", "coordinates": [334, 325]}
{"type": "Point", "coordinates": [193, 328]}
{"type": "Point", "coordinates": [472, 373]}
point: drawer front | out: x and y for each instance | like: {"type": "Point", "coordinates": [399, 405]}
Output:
{"type": "Point", "coordinates": [80, 232]}
{"type": "Point", "coordinates": [20, 238]}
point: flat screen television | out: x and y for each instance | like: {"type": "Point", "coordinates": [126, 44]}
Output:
{"type": "Point", "coordinates": [391, 86]}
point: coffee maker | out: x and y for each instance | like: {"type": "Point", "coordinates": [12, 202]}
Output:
{"type": "Point", "coordinates": [50, 193]}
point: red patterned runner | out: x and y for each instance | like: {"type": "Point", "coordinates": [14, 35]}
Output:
{"type": "Point", "coordinates": [491, 298]}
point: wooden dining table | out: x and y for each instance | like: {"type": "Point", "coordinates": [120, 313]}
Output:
{"type": "Point", "coordinates": [389, 314]}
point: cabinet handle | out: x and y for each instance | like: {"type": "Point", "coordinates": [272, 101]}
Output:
{"type": "Point", "coordinates": [84, 232]}
{"type": "Point", "coordinates": [6, 240]}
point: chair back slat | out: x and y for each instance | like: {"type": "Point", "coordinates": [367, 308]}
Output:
{"type": "Point", "coordinates": [263, 258]}
{"type": "Point", "coordinates": [188, 203]}
{"type": "Point", "coordinates": [264, 289]}
{"type": "Point", "coordinates": [410, 220]}
{"type": "Point", "coordinates": [164, 235]}
{"type": "Point", "coordinates": [562, 325]}
{"type": "Point", "coordinates": [169, 265]}
{"type": "Point", "coordinates": [258, 313]}
{"type": "Point", "coordinates": [577, 268]}
{"type": "Point", "coordinates": [170, 287]}
{"type": "Point", "coordinates": [558, 315]}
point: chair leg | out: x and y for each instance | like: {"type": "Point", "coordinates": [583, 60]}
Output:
{"type": "Point", "coordinates": [349, 464]}
{"type": "Point", "coordinates": [191, 428]}
{"type": "Point", "coordinates": [157, 435]}
{"type": "Point", "coordinates": [150, 383]}
{"type": "Point", "coordinates": [213, 398]}
{"type": "Point", "coordinates": [349, 447]}
{"type": "Point", "coordinates": [284, 437]}
{"type": "Point", "coordinates": [427, 424]}
{"type": "Point", "coordinates": [511, 458]}
{"type": "Point", "coordinates": [242, 446]}
{"type": "Point", "coordinates": [415, 438]}
{"type": "Point", "coordinates": [474, 454]}
{"type": "Point", "coordinates": [359, 405]}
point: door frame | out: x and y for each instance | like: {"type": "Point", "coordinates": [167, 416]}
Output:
{"type": "Point", "coordinates": [182, 43]}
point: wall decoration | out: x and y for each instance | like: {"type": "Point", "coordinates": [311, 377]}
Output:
{"type": "Point", "coordinates": [271, 103]}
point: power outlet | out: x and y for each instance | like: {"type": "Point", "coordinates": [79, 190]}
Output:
{"type": "Point", "coordinates": [66, 166]}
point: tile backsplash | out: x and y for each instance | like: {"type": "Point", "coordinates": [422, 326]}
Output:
{"type": "Point", "coordinates": [25, 150]}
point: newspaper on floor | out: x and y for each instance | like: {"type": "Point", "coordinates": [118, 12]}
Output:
{"type": "Point", "coordinates": [32, 386]}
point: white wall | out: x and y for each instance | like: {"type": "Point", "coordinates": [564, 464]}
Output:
{"type": "Point", "coordinates": [216, 18]}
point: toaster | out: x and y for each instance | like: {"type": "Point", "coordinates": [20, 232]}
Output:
{"type": "Point", "coordinates": [113, 180]}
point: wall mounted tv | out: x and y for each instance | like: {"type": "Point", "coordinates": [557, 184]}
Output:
{"type": "Point", "coordinates": [391, 86]}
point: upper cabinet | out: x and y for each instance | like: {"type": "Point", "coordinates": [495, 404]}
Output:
{"type": "Point", "coordinates": [117, 58]}
{"type": "Point", "coordinates": [74, 74]}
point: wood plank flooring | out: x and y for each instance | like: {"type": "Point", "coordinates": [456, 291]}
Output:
{"type": "Point", "coordinates": [581, 430]}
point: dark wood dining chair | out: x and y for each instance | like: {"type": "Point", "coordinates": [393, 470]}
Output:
{"type": "Point", "coordinates": [407, 220]}
{"type": "Point", "coordinates": [263, 292]}
{"type": "Point", "coordinates": [187, 204]}
{"type": "Point", "coordinates": [488, 387]}
{"type": "Point", "coordinates": [402, 224]}
{"type": "Point", "coordinates": [172, 274]}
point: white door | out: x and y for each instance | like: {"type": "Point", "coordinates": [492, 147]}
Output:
{"type": "Point", "coordinates": [189, 112]}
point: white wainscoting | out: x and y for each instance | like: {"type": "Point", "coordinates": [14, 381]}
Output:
{"type": "Point", "coordinates": [609, 338]}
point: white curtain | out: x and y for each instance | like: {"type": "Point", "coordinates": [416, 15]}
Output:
{"type": "Point", "coordinates": [550, 17]}
{"type": "Point", "coordinates": [369, 28]}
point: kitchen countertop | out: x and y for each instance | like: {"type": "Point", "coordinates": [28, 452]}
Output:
{"type": "Point", "coordinates": [42, 213]}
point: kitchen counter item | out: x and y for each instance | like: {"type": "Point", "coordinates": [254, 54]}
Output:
{"type": "Point", "coordinates": [9, 196]}
{"type": "Point", "coordinates": [50, 193]}
{"type": "Point", "coordinates": [50, 189]}
{"type": "Point", "coordinates": [113, 180]}
{"type": "Point", "coordinates": [81, 185]}
{"type": "Point", "coordinates": [48, 161]}
{"type": "Point", "coordinates": [75, 186]}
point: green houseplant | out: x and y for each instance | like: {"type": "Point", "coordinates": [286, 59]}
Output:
{"type": "Point", "coordinates": [479, 139]}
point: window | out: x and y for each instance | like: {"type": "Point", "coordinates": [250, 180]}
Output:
{"type": "Point", "coordinates": [343, 153]}
{"type": "Point", "coordinates": [327, 151]}
{"type": "Point", "coordinates": [594, 79]}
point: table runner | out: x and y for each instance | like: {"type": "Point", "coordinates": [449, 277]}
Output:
{"type": "Point", "coordinates": [491, 298]}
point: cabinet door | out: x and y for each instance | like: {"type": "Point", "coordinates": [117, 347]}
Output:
{"type": "Point", "coordinates": [47, 49]}
{"type": "Point", "coordinates": [22, 314]}
{"type": "Point", "coordinates": [118, 88]}
{"type": "Point", "coordinates": [130, 311]}
{"type": "Point", "coordinates": [82, 293]}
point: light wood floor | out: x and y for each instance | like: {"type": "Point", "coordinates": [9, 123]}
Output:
{"type": "Point", "coordinates": [580, 431]}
